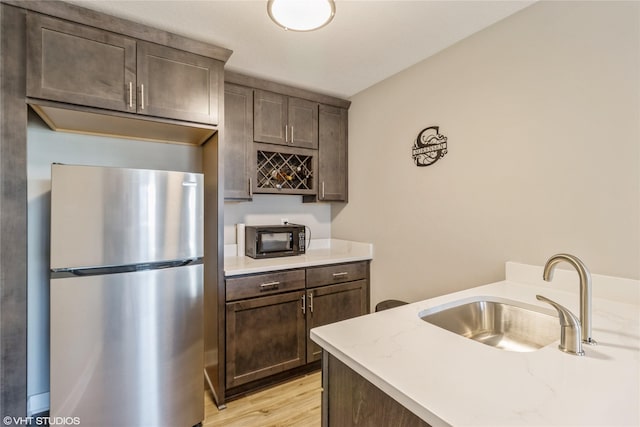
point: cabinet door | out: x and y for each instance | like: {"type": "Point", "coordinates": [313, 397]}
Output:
{"type": "Point", "coordinates": [303, 123]}
{"type": "Point", "coordinates": [333, 303]}
{"type": "Point", "coordinates": [270, 118]}
{"type": "Point", "coordinates": [238, 142]}
{"type": "Point", "coordinates": [349, 399]}
{"type": "Point", "coordinates": [332, 154]}
{"type": "Point", "coordinates": [178, 85]}
{"type": "Point", "coordinates": [81, 65]}
{"type": "Point", "coordinates": [264, 336]}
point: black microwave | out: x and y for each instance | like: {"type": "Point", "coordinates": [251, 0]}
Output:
{"type": "Point", "coordinates": [269, 241]}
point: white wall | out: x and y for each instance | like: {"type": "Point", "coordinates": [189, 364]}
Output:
{"type": "Point", "coordinates": [270, 209]}
{"type": "Point", "coordinates": [43, 148]}
{"type": "Point", "coordinates": [541, 112]}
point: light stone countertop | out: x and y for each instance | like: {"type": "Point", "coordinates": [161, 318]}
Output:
{"type": "Point", "coordinates": [446, 379]}
{"type": "Point", "coordinates": [320, 252]}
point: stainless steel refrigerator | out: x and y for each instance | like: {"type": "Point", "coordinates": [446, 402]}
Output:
{"type": "Point", "coordinates": [126, 296]}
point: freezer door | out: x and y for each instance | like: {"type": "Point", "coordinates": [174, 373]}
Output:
{"type": "Point", "coordinates": [103, 216]}
{"type": "Point", "coordinates": [127, 349]}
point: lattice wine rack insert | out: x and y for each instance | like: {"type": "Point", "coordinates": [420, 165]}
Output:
{"type": "Point", "coordinates": [281, 171]}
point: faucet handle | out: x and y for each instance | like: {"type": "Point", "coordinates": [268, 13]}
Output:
{"type": "Point", "coordinates": [570, 330]}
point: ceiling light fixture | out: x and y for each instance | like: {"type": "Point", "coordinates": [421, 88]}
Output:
{"type": "Point", "coordinates": [301, 15]}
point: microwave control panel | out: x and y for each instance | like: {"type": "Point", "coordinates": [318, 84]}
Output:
{"type": "Point", "coordinates": [301, 241]}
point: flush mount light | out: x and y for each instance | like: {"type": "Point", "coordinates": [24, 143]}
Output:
{"type": "Point", "coordinates": [301, 15]}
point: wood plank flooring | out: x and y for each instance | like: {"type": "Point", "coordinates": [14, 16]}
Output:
{"type": "Point", "coordinates": [294, 403]}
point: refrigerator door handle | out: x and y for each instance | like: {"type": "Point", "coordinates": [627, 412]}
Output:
{"type": "Point", "coordinates": [98, 271]}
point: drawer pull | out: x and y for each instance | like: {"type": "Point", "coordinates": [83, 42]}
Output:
{"type": "Point", "coordinates": [341, 274]}
{"type": "Point", "coordinates": [269, 286]}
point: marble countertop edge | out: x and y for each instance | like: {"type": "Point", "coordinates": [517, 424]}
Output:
{"type": "Point", "coordinates": [321, 252]}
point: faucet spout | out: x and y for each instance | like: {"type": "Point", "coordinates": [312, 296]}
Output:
{"type": "Point", "coordinates": [585, 289]}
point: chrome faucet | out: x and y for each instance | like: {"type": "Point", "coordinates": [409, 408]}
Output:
{"type": "Point", "coordinates": [585, 290]}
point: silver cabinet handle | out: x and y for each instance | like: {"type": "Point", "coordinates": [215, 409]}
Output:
{"type": "Point", "coordinates": [286, 133]}
{"type": "Point", "coordinates": [322, 194]}
{"type": "Point", "coordinates": [341, 274]}
{"type": "Point", "coordinates": [291, 134]}
{"type": "Point", "coordinates": [250, 187]}
{"type": "Point", "coordinates": [311, 302]}
{"type": "Point", "coordinates": [269, 286]}
{"type": "Point", "coordinates": [304, 304]}
{"type": "Point", "coordinates": [141, 96]}
{"type": "Point", "coordinates": [130, 94]}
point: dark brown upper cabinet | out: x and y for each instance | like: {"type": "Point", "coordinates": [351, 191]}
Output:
{"type": "Point", "coordinates": [239, 152]}
{"type": "Point", "coordinates": [80, 65]}
{"type": "Point", "coordinates": [292, 129]}
{"type": "Point", "coordinates": [284, 120]}
{"type": "Point", "coordinates": [85, 66]}
{"type": "Point", "coordinates": [177, 84]}
{"type": "Point", "coordinates": [332, 154]}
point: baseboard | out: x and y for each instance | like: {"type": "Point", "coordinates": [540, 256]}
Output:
{"type": "Point", "coordinates": [37, 404]}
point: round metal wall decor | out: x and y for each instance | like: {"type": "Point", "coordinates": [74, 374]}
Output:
{"type": "Point", "coordinates": [429, 146]}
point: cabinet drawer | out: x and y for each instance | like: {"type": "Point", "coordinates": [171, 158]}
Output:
{"type": "Point", "coordinates": [338, 273]}
{"type": "Point", "coordinates": [264, 284]}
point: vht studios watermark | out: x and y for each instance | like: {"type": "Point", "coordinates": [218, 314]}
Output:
{"type": "Point", "coordinates": [40, 421]}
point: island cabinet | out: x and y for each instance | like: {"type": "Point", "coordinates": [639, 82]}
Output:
{"type": "Point", "coordinates": [85, 66]}
{"type": "Point", "coordinates": [239, 152]}
{"type": "Point", "coordinates": [285, 120]}
{"type": "Point", "coordinates": [348, 399]}
{"type": "Point", "coordinates": [269, 316]}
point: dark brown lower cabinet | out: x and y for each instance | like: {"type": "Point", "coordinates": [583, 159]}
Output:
{"type": "Point", "coordinates": [350, 400]}
{"type": "Point", "coordinates": [269, 316]}
{"type": "Point", "coordinates": [333, 303]}
{"type": "Point", "coordinates": [265, 336]}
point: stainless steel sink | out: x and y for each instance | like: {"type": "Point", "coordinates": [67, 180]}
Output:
{"type": "Point", "coordinates": [497, 322]}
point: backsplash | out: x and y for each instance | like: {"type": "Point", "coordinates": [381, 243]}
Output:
{"type": "Point", "coordinates": [270, 209]}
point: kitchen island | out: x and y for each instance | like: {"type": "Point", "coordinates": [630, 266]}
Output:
{"type": "Point", "coordinates": [445, 379]}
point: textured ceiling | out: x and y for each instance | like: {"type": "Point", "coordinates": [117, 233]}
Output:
{"type": "Point", "coordinates": [366, 42]}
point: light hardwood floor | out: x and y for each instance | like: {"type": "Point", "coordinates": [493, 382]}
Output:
{"type": "Point", "coordinates": [294, 403]}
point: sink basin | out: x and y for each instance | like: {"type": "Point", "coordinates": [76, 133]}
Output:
{"type": "Point", "coordinates": [497, 322]}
